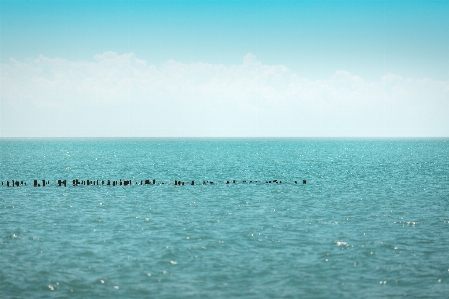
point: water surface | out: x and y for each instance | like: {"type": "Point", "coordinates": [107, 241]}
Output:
{"type": "Point", "coordinates": [372, 220]}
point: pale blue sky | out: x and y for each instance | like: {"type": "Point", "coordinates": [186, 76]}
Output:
{"type": "Point", "coordinates": [313, 39]}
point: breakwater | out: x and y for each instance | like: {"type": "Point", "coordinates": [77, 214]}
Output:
{"type": "Point", "coordinates": [123, 182]}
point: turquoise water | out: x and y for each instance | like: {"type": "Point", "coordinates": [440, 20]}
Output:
{"type": "Point", "coordinates": [372, 220]}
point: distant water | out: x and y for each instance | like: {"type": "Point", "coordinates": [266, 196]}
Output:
{"type": "Point", "coordinates": [371, 222]}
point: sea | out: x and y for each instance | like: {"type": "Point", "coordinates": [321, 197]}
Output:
{"type": "Point", "coordinates": [264, 218]}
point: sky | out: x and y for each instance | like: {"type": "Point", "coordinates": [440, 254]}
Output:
{"type": "Point", "coordinates": [224, 68]}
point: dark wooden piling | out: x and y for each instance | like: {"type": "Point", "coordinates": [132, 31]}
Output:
{"type": "Point", "coordinates": [75, 182]}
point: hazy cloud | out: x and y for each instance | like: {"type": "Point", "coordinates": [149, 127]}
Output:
{"type": "Point", "coordinates": [121, 95]}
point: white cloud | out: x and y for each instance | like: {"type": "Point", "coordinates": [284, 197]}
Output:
{"type": "Point", "coordinates": [121, 95]}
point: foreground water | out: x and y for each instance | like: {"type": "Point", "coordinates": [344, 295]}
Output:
{"type": "Point", "coordinates": [372, 220]}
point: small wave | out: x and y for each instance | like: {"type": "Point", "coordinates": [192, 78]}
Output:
{"type": "Point", "coordinates": [412, 223]}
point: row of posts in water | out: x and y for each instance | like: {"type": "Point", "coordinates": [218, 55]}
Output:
{"type": "Point", "coordinates": [76, 182]}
